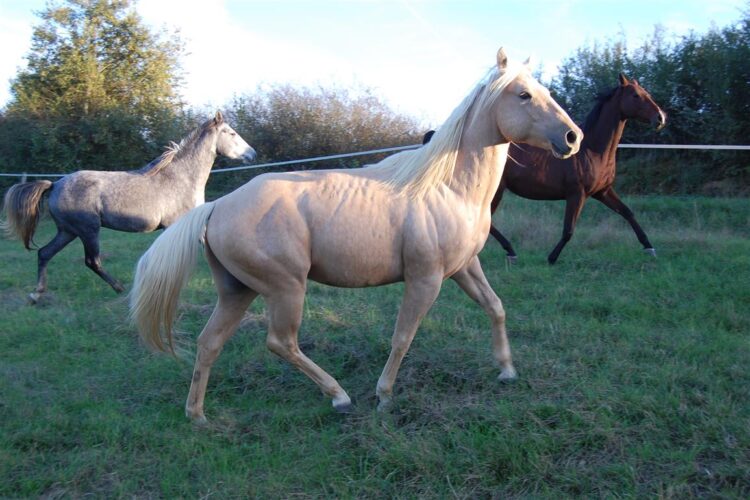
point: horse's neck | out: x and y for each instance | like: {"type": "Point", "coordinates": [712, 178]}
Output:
{"type": "Point", "coordinates": [603, 137]}
{"type": "Point", "coordinates": [194, 163]}
{"type": "Point", "coordinates": [480, 161]}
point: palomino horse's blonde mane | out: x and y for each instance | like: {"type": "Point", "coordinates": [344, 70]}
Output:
{"type": "Point", "coordinates": [172, 151]}
{"type": "Point", "coordinates": [416, 172]}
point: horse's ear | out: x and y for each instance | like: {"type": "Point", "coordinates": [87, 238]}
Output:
{"type": "Point", "coordinates": [218, 119]}
{"type": "Point", "coordinates": [502, 59]}
{"type": "Point", "coordinates": [527, 62]}
{"type": "Point", "coordinates": [623, 79]}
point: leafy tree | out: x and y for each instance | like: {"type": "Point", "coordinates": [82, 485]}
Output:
{"type": "Point", "coordinates": [701, 81]}
{"type": "Point", "coordinates": [99, 91]}
{"type": "Point", "coordinates": [286, 122]}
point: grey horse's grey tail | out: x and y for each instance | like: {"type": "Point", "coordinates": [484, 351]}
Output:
{"type": "Point", "coordinates": [23, 207]}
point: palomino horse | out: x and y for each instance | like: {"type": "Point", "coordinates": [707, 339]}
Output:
{"type": "Point", "coordinates": [418, 216]}
{"type": "Point", "coordinates": [143, 200]}
{"type": "Point", "coordinates": [534, 173]}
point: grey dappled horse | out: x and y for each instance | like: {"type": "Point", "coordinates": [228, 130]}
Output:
{"type": "Point", "coordinates": [139, 201]}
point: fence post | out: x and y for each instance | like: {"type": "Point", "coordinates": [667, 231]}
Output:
{"type": "Point", "coordinates": [23, 177]}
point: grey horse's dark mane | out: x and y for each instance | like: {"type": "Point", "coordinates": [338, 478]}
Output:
{"type": "Point", "coordinates": [173, 150]}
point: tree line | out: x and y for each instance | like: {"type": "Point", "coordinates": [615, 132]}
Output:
{"type": "Point", "coordinates": [101, 91]}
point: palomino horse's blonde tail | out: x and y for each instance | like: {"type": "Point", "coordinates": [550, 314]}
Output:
{"type": "Point", "coordinates": [160, 275]}
{"type": "Point", "coordinates": [22, 207]}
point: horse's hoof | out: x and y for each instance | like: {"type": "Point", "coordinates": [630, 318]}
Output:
{"type": "Point", "coordinates": [508, 375]}
{"type": "Point", "coordinates": [385, 406]}
{"type": "Point", "coordinates": [342, 403]}
{"type": "Point", "coordinates": [201, 422]}
{"type": "Point", "coordinates": [34, 298]}
{"type": "Point", "coordinates": [344, 409]}
{"type": "Point", "coordinates": [511, 259]}
{"type": "Point", "coordinates": [650, 251]}
{"type": "Point", "coordinates": [198, 420]}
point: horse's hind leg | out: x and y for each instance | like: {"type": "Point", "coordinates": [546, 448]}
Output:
{"type": "Point", "coordinates": [45, 254]}
{"type": "Point", "coordinates": [613, 202]}
{"type": "Point", "coordinates": [234, 299]}
{"type": "Point", "coordinates": [94, 261]}
{"type": "Point", "coordinates": [284, 318]}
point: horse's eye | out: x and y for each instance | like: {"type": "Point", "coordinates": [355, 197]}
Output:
{"type": "Point", "coordinates": [525, 96]}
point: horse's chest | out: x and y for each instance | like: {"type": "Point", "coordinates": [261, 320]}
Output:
{"type": "Point", "coordinates": [600, 181]}
{"type": "Point", "coordinates": [596, 176]}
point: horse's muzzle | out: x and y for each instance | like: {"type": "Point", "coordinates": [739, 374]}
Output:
{"type": "Point", "coordinates": [249, 155]}
{"type": "Point", "coordinates": [659, 120]}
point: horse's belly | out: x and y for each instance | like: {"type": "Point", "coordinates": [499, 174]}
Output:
{"type": "Point", "coordinates": [537, 191]}
{"type": "Point", "coordinates": [355, 259]}
{"type": "Point", "coordinates": [134, 223]}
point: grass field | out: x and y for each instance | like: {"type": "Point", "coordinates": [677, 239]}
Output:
{"type": "Point", "coordinates": [633, 376]}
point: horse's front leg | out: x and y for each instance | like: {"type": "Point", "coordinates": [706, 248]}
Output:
{"type": "Point", "coordinates": [419, 295]}
{"type": "Point", "coordinates": [573, 207]}
{"type": "Point", "coordinates": [472, 280]}
{"type": "Point", "coordinates": [505, 243]}
{"type": "Point", "coordinates": [495, 232]}
{"type": "Point", "coordinates": [93, 260]}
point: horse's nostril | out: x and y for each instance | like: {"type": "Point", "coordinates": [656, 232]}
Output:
{"type": "Point", "coordinates": [571, 138]}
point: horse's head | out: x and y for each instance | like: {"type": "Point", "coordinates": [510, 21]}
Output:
{"type": "Point", "coordinates": [229, 143]}
{"type": "Point", "coordinates": [526, 113]}
{"type": "Point", "coordinates": [636, 103]}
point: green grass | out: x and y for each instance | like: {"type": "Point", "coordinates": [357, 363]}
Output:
{"type": "Point", "coordinates": [634, 378]}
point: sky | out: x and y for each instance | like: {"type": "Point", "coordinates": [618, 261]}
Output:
{"type": "Point", "coordinates": [421, 57]}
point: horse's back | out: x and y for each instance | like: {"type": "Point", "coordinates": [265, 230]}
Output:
{"type": "Point", "coordinates": [99, 198]}
{"type": "Point", "coordinates": [319, 223]}
{"type": "Point", "coordinates": [343, 228]}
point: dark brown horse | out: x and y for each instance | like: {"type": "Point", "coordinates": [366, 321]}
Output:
{"type": "Point", "coordinates": [535, 174]}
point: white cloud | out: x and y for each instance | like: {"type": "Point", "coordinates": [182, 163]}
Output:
{"type": "Point", "coordinates": [226, 58]}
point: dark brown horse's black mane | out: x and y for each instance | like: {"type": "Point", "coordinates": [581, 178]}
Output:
{"type": "Point", "coordinates": [593, 116]}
